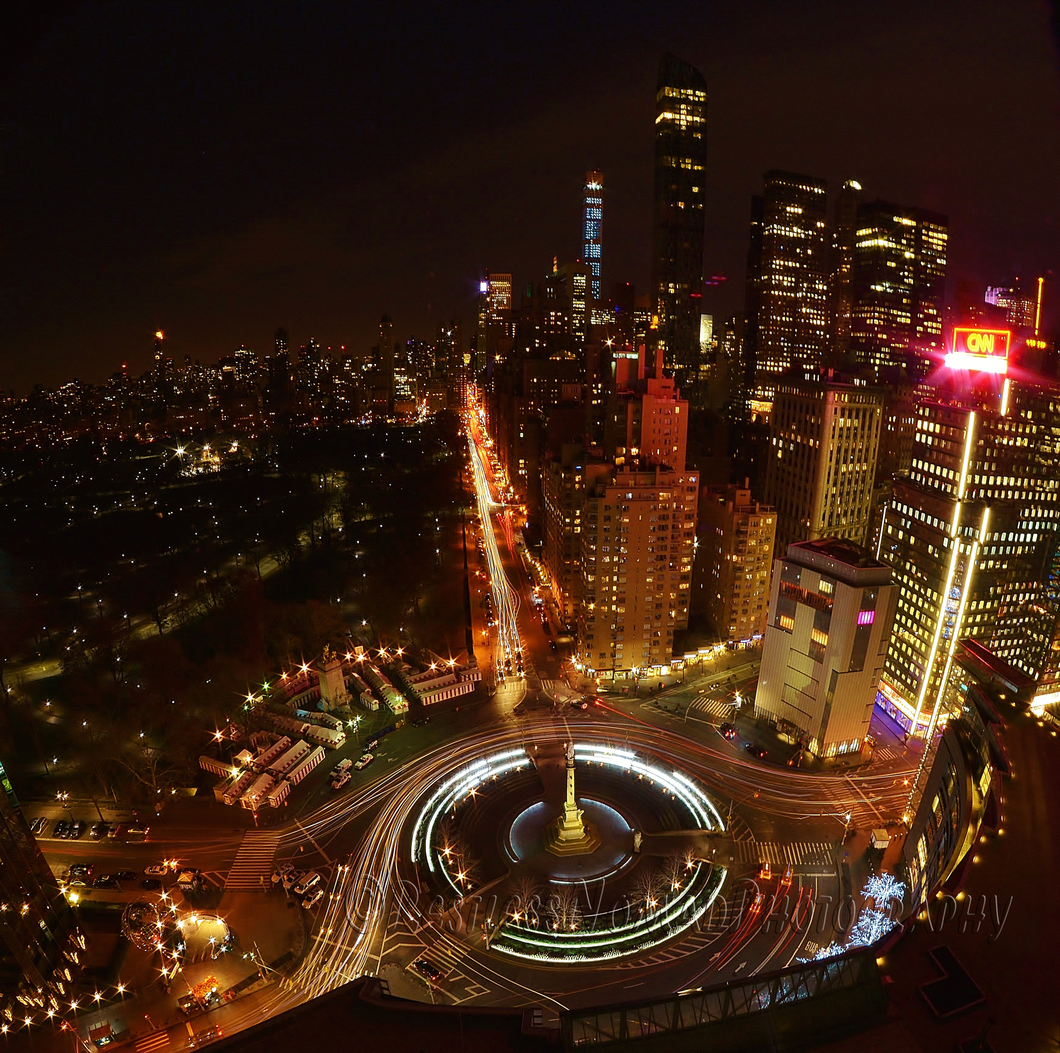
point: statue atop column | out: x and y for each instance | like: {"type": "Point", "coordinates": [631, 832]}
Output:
{"type": "Point", "coordinates": [570, 835]}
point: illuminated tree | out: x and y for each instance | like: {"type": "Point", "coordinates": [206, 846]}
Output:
{"type": "Point", "coordinates": [562, 910]}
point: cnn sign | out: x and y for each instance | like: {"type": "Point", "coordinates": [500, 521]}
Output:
{"type": "Point", "coordinates": [981, 350]}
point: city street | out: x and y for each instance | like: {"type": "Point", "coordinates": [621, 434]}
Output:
{"type": "Point", "coordinates": [374, 918]}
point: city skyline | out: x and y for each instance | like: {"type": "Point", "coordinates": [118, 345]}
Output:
{"type": "Point", "coordinates": [263, 227]}
{"type": "Point", "coordinates": [432, 621]}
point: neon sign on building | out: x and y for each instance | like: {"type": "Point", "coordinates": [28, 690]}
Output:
{"type": "Point", "coordinates": [980, 350]}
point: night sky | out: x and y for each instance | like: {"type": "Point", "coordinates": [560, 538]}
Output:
{"type": "Point", "coordinates": [219, 169]}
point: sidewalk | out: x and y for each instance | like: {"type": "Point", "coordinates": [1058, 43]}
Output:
{"type": "Point", "coordinates": [268, 929]}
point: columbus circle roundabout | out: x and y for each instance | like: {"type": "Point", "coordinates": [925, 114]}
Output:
{"type": "Point", "coordinates": [549, 862]}
{"type": "Point", "coordinates": [567, 878]}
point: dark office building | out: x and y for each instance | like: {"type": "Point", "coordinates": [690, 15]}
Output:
{"type": "Point", "coordinates": [680, 172]}
{"type": "Point", "coordinates": [39, 943]}
{"type": "Point", "coordinates": [787, 278]}
{"type": "Point", "coordinates": [899, 286]}
{"type": "Point", "coordinates": [841, 269]}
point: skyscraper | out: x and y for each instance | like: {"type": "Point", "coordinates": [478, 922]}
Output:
{"type": "Point", "coordinates": [787, 271]}
{"type": "Point", "coordinates": [680, 176]}
{"type": "Point", "coordinates": [972, 536]}
{"type": "Point", "coordinates": [648, 419]}
{"type": "Point", "coordinates": [638, 528]}
{"type": "Point", "coordinates": [733, 562]}
{"type": "Point", "coordinates": [500, 296]}
{"type": "Point", "coordinates": [823, 444]}
{"type": "Point", "coordinates": [899, 286]}
{"type": "Point", "coordinates": [620, 529]}
{"type": "Point", "coordinates": [565, 481]}
{"type": "Point", "coordinates": [831, 610]}
{"type": "Point", "coordinates": [1020, 307]}
{"type": "Point", "coordinates": [40, 946]}
{"type": "Point", "coordinates": [841, 268]}
{"type": "Point", "coordinates": [593, 227]}
{"type": "Point", "coordinates": [576, 281]}
{"type": "Point", "coordinates": [385, 362]}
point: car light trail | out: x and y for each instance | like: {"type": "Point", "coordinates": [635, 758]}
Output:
{"type": "Point", "coordinates": [505, 598]}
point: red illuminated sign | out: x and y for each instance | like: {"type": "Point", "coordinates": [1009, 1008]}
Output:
{"type": "Point", "coordinates": [982, 350]}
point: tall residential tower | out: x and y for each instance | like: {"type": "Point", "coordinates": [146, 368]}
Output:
{"type": "Point", "coordinates": [680, 177]}
{"type": "Point", "coordinates": [593, 227]}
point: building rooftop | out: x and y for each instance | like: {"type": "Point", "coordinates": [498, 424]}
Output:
{"type": "Point", "coordinates": [840, 558]}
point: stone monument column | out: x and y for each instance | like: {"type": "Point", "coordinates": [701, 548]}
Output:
{"type": "Point", "coordinates": [570, 835]}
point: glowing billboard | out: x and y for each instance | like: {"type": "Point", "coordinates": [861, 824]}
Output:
{"type": "Point", "coordinates": [980, 350]}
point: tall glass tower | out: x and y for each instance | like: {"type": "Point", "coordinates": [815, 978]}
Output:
{"type": "Point", "coordinates": [592, 226]}
{"type": "Point", "coordinates": [787, 278]}
{"type": "Point", "coordinates": [899, 284]}
{"type": "Point", "coordinates": [680, 175]}
{"type": "Point", "coordinates": [972, 536]}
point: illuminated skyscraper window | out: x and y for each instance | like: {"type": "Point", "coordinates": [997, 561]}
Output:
{"type": "Point", "coordinates": [592, 227]}
{"type": "Point", "coordinates": [786, 278]}
{"type": "Point", "coordinates": [899, 285]}
{"type": "Point", "coordinates": [680, 178]}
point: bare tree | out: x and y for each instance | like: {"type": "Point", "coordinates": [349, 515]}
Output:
{"type": "Point", "coordinates": [675, 873]}
{"type": "Point", "coordinates": [153, 768]}
{"type": "Point", "coordinates": [562, 910]}
{"type": "Point", "coordinates": [524, 904]}
{"type": "Point", "coordinates": [647, 889]}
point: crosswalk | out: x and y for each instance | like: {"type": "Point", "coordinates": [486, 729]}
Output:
{"type": "Point", "coordinates": [715, 707]}
{"type": "Point", "coordinates": [778, 853]}
{"type": "Point", "coordinates": [252, 868]}
{"type": "Point", "coordinates": [558, 690]}
{"type": "Point", "coordinates": [690, 944]}
{"type": "Point", "coordinates": [886, 753]}
{"type": "Point", "coordinates": [155, 1042]}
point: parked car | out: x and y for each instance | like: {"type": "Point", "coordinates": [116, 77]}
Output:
{"type": "Point", "coordinates": [125, 875]}
{"type": "Point", "coordinates": [61, 826]}
{"type": "Point", "coordinates": [307, 882]}
{"type": "Point", "coordinates": [292, 878]}
{"type": "Point", "coordinates": [428, 970]}
{"type": "Point", "coordinates": [339, 781]}
{"type": "Point", "coordinates": [190, 880]}
{"type": "Point", "coordinates": [84, 869]}
{"type": "Point", "coordinates": [151, 884]}
{"type": "Point", "coordinates": [756, 751]}
{"type": "Point", "coordinates": [98, 830]}
{"type": "Point", "coordinates": [107, 881]}
{"type": "Point", "coordinates": [77, 829]}
{"type": "Point", "coordinates": [39, 825]}
{"type": "Point", "coordinates": [156, 870]}
{"type": "Point", "coordinates": [313, 898]}
{"type": "Point", "coordinates": [365, 760]}
{"type": "Point", "coordinates": [344, 765]}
